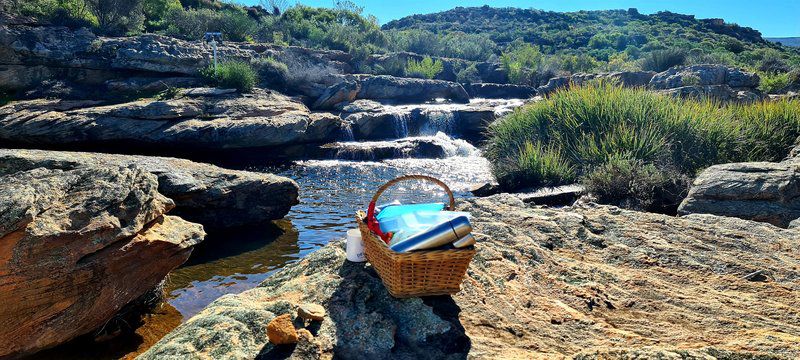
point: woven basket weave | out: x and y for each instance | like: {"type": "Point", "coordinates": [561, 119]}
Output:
{"type": "Point", "coordinates": [417, 273]}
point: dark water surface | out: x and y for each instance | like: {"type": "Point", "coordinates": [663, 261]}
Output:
{"type": "Point", "coordinates": [234, 260]}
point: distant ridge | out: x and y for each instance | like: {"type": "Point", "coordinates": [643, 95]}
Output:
{"type": "Point", "coordinates": [788, 41]}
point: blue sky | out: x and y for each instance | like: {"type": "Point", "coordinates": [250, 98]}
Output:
{"type": "Point", "coordinates": [774, 18]}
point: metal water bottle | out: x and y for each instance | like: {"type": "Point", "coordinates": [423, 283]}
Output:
{"type": "Point", "coordinates": [439, 235]}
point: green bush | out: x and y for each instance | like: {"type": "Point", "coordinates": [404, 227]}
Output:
{"type": "Point", "coordinates": [590, 126]}
{"type": "Point", "coordinates": [231, 75]}
{"type": "Point", "coordinates": [661, 60]}
{"type": "Point", "coordinates": [191, 24]}
{"type": "Point", "coordinates": [272, 73]}
{"type": "Point", "coordinates": [773, 82]}
{"type": "Point", "coordinates": [468, 75]}
{"type": "Point", "coordinates": [118, 17]}
{"type": "Point", "coordinates": [634, 184]}
{"type": "Point", "coordinates": [70, 13]}
{"type": "Point", "coordinates": [427, 68]}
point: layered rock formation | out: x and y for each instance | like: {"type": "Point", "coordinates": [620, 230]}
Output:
{"type": "Point", "coordinates": [760, 191]}
{"type": "Point", "coordinates": [625, 78]}
{"type": "Point", "coordinates": [389, 88]}
{"type": "Point", "coordinates": [588, 281]}
{"type": "Point", "coordinates": [76, 245]}
{"type": "Point", "coordinates": [210, 195]}
{"type": "Point", "coordinates": [718, 82]}
{"type": "Point", "coordinates": [199, 119]}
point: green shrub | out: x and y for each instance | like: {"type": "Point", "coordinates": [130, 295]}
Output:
{"type": "Point", "coordinates": [538, 165]}
{"type": "Point", "coordinates": [468, 75]}
{"type": "Point", "coordinates": [156, 11]}
{"type": "Point", "coordinates": [191, 24]}
{"type": "Point", "coordinates": [427, 68]}
{"type": "Point", "coordinates": [231, 75]}
{"type": "Point", "coordinates": [272, 73]}
{"type": "Point", "coordinates": [661, 60]}
{"type": "Point", "coordinates": [690, 80]}
{"type": "Point", "coordinates": [70, 13]}
{"type": "Point", "coordinates": [595, 124]}
{"type": "Point", "coordinates": [634, 184]}
{"type": "Point", "coordinates": [521, 62]}
{"type": "Point", "coordinates": [773, 82]}
{"type": "Point", "coordinates": [117, 17]}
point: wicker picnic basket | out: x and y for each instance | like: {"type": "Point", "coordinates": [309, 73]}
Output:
{"type": "Point", "coordinates": [417, 273]}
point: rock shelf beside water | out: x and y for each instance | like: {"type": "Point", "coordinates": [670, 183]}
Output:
{"type": "Point", "coordinates": [588, 280]}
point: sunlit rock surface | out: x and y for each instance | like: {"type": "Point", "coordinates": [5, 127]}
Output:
{"type": "Point", "coordinates": [588, 281]}
{"type": "Point", "coordinates": [76, 245]}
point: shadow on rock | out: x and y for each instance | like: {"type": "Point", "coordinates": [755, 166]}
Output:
{"type": "Point", "coordinates": [370, 323]}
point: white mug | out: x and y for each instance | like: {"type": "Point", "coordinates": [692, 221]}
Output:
{"type": "Point", "coordinates": [355, 246]}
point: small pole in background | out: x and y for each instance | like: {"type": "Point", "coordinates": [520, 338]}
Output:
{"type": "Point", "coordinates": [211, 38]}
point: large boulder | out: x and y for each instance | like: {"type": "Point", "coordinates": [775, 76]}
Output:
{"type": "Point", "coordinates": [198, 120]}
{"type": "Point", "coordinates": [587, 282]}
{"type": "Point", "coordinates": [76, 245]}
{"type": "Point", "coordinates": [437, 146]}
{"type": "Point", "coordinates": [704, 74]}
{"type": "Point", "coordinates": [384, 87]}
{"type": "Point", "coordinates": [760, 191]}
{"type": "Point", "coordinates": [210, 195]}
{"type": "Point", "coordinates": [624, 78]}
{"type": "Point", "coordinates": [500, 91]}
{"type": "Point", "coordinates": [723, 93]}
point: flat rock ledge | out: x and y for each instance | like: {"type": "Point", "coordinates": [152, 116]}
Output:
{"type": "Point", "coordinates": [760, 191]}
{"type": "Point", "coordinates": [197, 120]}
{"type": "Point", "coordinates": [590, 282]}
{"type": "Point", "coordinates": [76, 245]}
{"type": "Point", "coordinates": [204, 193]}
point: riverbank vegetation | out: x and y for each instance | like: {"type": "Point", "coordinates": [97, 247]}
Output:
{"type": "Point", "coordinates": [532, 45]}
{"type": "Point", "coordinates": [622, 141]}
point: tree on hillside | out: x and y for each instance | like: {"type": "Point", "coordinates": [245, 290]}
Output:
{"type": "Point", "coordinates": [118, 17]}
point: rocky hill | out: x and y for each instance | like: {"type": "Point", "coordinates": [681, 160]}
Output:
{"type": "Point", "coordinates": [549, 27]}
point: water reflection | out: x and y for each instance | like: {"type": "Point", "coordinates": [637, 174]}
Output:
{"type": "Point", "coordinates": [231, 261]}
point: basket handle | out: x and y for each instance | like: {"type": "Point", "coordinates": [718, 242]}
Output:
{"type": "Point", "coordinates": [372, 222]}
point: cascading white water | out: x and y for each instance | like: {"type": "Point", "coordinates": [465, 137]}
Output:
{"type": "Point", "coordinates": [439, 121]}
{"type": "Point", "coordinates": [401, 120]}
{"type": "Point", "coordinates": [347, 132]}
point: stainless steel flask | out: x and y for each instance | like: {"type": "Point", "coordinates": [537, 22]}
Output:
{"type": "Point", "coordinates": [440, 234]}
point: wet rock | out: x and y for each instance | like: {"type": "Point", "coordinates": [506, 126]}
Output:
{"type": "Point", "coordinates": [384, 87]}
{"type": "Point", "coordinates": [500, 91]}
{"type": "Point", "coordinates": [485, 189]}
{"type": "Point", "coordinates": [760, 191]}
{"type": "Point", "coordinates": [201, 120]}
{"type": "Point", "coordinates": [311, 312]}
{"type": "Point", "coordinates": [210, 195]}
{"type": "Point", "coordinates": [382, 150]}
{"type": "Point", "coordinates": [545, 283]}
{"type": "Point", "coordinates": [280, 330]}
{"type": "Point", "coordinates": [78, 245]}
{"type": "Point", "coordinates": [553, 196]}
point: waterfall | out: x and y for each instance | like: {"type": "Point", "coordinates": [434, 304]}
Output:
{"type": "Point", "coordinates": [347, 132]}
{"type": "Point", "coordinates": [439, 121]}
{"type": "Point", "coordinates": [401, 124]}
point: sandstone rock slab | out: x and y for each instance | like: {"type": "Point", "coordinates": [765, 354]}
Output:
{"type": "Point", "coordinates": [545, 283]}
{"type": "Point", "coordinates": [208, 194]}
{"type": "Point", "coordinates": [76, 245]}
{"type": "Point", "coordinates": [760, 191]}
{"type": "Point", "coordinates": [185, 124]}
